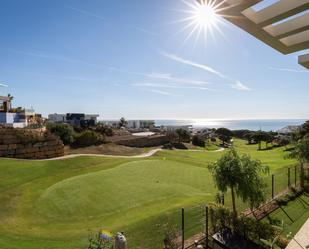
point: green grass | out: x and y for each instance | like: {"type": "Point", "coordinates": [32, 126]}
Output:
{"type": "Point", "coordinates": [294, 215]}
{"type": "Point", "coordinates": [57, 204]}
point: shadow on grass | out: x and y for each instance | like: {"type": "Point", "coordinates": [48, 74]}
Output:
{"type": "Point", "coordinates": [286, 214]}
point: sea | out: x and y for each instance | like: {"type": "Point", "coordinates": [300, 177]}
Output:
{"type": "Point", "coordinates": [248, 124]}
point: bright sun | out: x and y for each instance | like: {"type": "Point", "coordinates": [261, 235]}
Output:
{"type": "Point", "coordinates": [203, 17]}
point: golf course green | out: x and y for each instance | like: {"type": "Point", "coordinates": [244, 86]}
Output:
{"type": "Point", "coordinates": [58, 204]}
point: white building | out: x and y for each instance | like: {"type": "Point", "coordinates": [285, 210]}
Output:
{"type": "Point", "coordinates": [15, 117]}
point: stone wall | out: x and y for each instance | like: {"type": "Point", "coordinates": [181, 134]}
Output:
{"type": "Point", "coordinates": [145, 141]}
{"type": "Point", "coordinates": [29, 144]}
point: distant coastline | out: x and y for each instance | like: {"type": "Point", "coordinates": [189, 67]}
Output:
{"type": "Point", "coordinates": [250, 124]}
{"type": "Point", "coordinates": [236, 124]}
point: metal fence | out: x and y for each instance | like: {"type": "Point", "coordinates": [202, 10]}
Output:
{"type": "Point", "coordinates": [194, 219]}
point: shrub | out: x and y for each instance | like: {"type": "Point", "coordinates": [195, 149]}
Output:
{"type": "Point", "coordinates": [282, 201]}
{"type": "Point", "coordinates": [213, 139]}
{"type": "Point", "coordinates": [88, 138]}
{"type": "Point", "coordinates": [104, 130]}
{"type": "Point", "coordinates": [198, 141]}
{"type": "Point", "coordinates": [27, 136]}
{"type": "Point", "coordinates": [282, 242]}
{"type": "Point", "coordinates": [170, 237]}
{"type": "Point", "coordinates": [97, 242]}
{"type": "Point", "coordinates": [222, 217]}
{"type": "Point", "coordinates": [64, 131]}
{"type": "Point", "coordinates": [290, 196]}
{"type": "Point", "coordinates": [179, 146]}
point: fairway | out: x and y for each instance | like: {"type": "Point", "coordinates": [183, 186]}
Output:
{"type": "Point", "coordinates": [57, 204]}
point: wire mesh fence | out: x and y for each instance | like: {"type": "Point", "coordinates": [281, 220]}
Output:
{"type": "Point", "coordinates": [192, 222]}
{"type": "Point", "coordinates": [281, 180]}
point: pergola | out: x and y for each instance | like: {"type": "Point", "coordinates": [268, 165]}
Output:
{"type": "Point", "coordinates": [283, 25]}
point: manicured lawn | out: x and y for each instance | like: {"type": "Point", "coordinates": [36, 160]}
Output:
{"type": "Point", "coordinates": [57, 204]}
{"type": "Point", "coordinates": [294, 215]}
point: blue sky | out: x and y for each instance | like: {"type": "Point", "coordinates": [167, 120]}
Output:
{"type": "Point", "coordinates": [131, 59]}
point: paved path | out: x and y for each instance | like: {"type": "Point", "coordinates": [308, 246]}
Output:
{"type": "Point", "coordinates": [147, 154]}
{"type": "Point", "coordinates": [301, 239]}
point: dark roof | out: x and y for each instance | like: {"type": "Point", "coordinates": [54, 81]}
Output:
{"type": "Point", "coordinates": [229, 240]}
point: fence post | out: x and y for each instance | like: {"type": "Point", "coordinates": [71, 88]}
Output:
{"type": "Point", "coordinates": [206, 228]}
{"type": "Point", "coordinates": [295, 175]}
{"type": "Point", "coordinates": [182, 228]}
{"type": "Point", "coordinates": [222, 199]}
{"type": "Point", "coordinates": [289, 177]}
{"type": "Point", "coordinates": [272, 186]}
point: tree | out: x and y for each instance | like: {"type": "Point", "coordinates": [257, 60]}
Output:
{"type": "Point", "coordinates": [172, 136]}
{"type": "Point", "coordinates": [122, 122]}
{"type": "Point", "coordinates": [240, 133]}
{"type": "Point", "coordinates": [268, 138]}
{"type": "Point", "coordinates": [224, 135]}
{"type": "Point", "coordinates": [248, 137]}
{"type": "Point", "coordinates": [252, 187]}
{"type": "Point", "coordinates": [283, 142]}
{"type": "Point", "coordinates": [227, 173]}
{"type": "Point", "coordinates": [198, 140]}
{"type": "Point", "coordinates": [242, 175]}
{"type": "Point", "coordinates": [301, 153]}
{"type": "Point", "coordinates": [260, 136]}
{"type": "Point", "coordinates": [304, 130]}
{"type": "Point", "coordinates": [183, 135]}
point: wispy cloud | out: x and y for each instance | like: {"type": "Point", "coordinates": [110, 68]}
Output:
{"type": "Point", "coordinates": [171, 86]}
{"type": "Point", "coordinates": [240, 86]}
{"type": "Point", "coordinates": [236, 84]}
{"type": "Point", "coordinates": [3, 85]}
{"type": "Point", "coordinates": [289, 70]}
{"type": "Point", "coordinates": [88, 13]}
{"type": "Point", "coordinates": [170, 77]}
{"type": "Point", "coordinates": [160, 92]}
{"type": "Point", "coordinates": [44, 55]}
{"type": "Point", "coordinates": [94, 15]}
{"type": "Point", "coordinates": [184, 61]}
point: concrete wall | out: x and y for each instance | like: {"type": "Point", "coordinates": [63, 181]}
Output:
{"type": "Point", "coordinates": [29, 144]}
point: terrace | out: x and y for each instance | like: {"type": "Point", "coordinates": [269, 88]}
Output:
{"type": "Point", "coordinates": [283, 25]}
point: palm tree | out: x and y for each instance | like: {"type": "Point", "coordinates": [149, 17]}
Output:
{"type": "Point", "coordinates": [10, 97]}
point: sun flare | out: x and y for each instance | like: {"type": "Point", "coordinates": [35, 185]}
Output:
{"type": "Point", "coordinates": [203, 18]}
{"type": "Point", "coordinates": [205, 15]}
